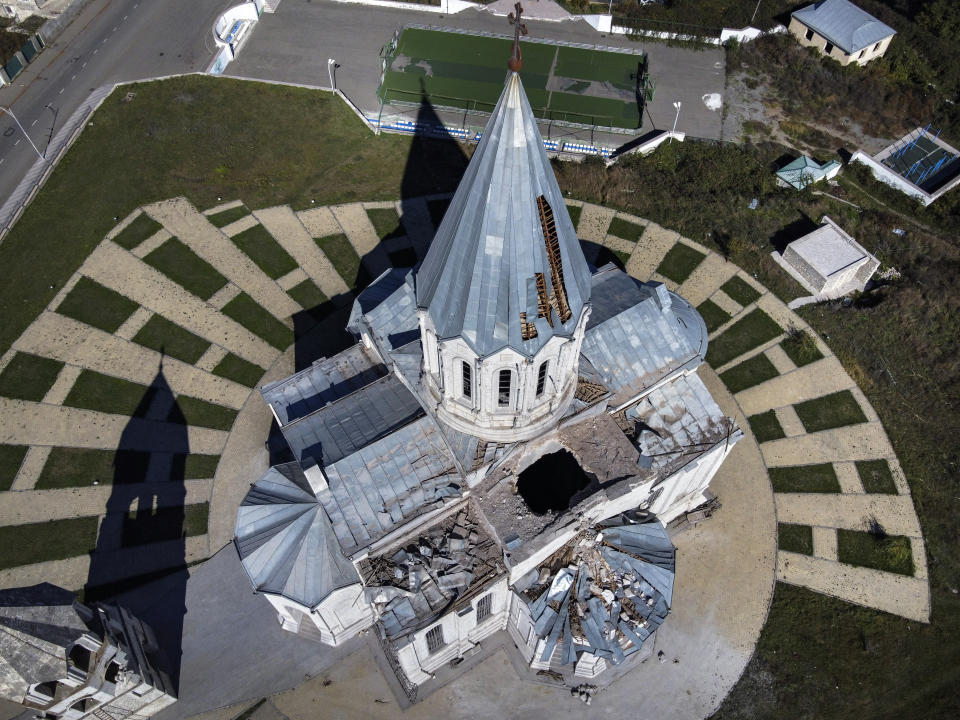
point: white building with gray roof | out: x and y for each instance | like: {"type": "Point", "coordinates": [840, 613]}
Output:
{"type": "Point", "coordinates": [505, 409]}
{"type": "Point", "coordinates": [842, 31]}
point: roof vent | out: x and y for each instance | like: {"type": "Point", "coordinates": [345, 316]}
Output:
{"type": "Point", "coordinates": [661, 296]}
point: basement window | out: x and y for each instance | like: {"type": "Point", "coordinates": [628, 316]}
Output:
{"type": "Point", "coordinates": [551, 482]}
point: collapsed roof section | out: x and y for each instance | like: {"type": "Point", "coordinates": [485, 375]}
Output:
{"type": "Point", "coordinates": [604, 593]}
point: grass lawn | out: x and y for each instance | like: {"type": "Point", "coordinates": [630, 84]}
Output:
{"type": "Point", "coordinates": [261, 247]}
{"type": "Point", "coordinates": [186, 268]}
{"type": "Point", "coordinates": [891, 553]}
{"type": "Point", "coordinates": [740, 290]}
{"type": "Point", "coordinates": [239, 370]}
{"type": "Point", "coordinates": [805, 478]}
{"type": "Point", "coordinates": [164, 336]}
{"type": "Point", "coordinates": [386, 223]}
{"type": "Point", "coordinates": [340, 252]}
{"type": "Point", "coordinates": [136, 232]}
{"type": "Point", "coordinates": [225, 217]}
{"type": "Point", "coordinates": [795, 538]}
{"type": "Point", "coordinates": [830, 411]}
{"type": "Point", "coordinates": [45, 541]}
{"type": "Point", "coordinates": [11, 458]}
{"type": "Point", "coordinates": [105, 393]}
{"type": "Point", "coordinates": [201, 467]}
{"type": "Point", "coordinates": [750, 372]}
{"type": "Point", "coordinates": [92, 303]}
{"type": "Point", "coordinates": [195, 519]}
{"type": "Point", "coordinates": [713, 315]}
{"type": "Point", "coordinates": [574, 212]}
{"type": "Point", "coordinates": [766, 427]}
{"type": "Point", "coordinates": [202, 413]}
{"type": "Point", "coordinates": [801, 348]}
{"type": "Point", "coordinates": [78, 467]}
{"type": "Point", "coordinates": [679, 262]}
{"type": "Point", "coordinates": [29, 377]}
{"type": "Point", "coordinates": [625, 229]}
{"type": "Point", "coordinates": [876, 476]}
{"type": "Point", "coordinates": [307, 294]}
{"type": "Point", "coordinates": [254, 318]}
{"type": "Point", "coordinates": [744, 335]}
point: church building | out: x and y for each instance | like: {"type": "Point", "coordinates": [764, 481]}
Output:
{"type": "Point", "coordinates": [501, 450]}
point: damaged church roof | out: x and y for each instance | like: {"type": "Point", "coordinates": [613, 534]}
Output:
{"type": "Point", "coordinates": [481, 270]}
{"type": "Point", "coordinates": [286, 542]}
{"type": "Point", "coordinates": [604, 593]}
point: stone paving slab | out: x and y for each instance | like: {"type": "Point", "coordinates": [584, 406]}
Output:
{"type": "Point", "coordinates": [672, 285]}
{"type": "Point", "coordinates": [152, 243]}
{"type": "Point", "coordinates": [283, 224]}
{"type": "Point", "coordinates": [824, 541]}
{"type": "Point", "coordinates": [30, 423]}
{"type": "Point", "coordinates": [898, 594]}
{"type": "Point", "coordinates": [708, 276]}
{"type": "Point", "coordinates": [196, 232]}
{"type": "Point", "coordinates": [781, 361]}
{"type": "Point", "coordinates": [292, 279]}
{"type": "Point", "coordinates": [319, 222]}
{"type": "Point", "coordinates": [727, 304]}
{"type": "Point", "coordinates": [594, 223]}
{"type": "Point", "coordinates": [62, 386]}
{"type": "Point", "coordinates": [356, 225]}
{"type": "Point", "coordinates": [70, 341]}
{"type": "Point", "coordinates": [123, 224]}
{"type": "Point", "coordinates": [850, 512]}
{"type": "Point", "coordinates": [866, 441]}
{"type": "Point", "coordinates": [239, 226]}
{"type": "Point", "coordinates": [211, 358]}
{"type": "Point", "coordinates": [619, 244]}
{"type": "Point", "coordinates": [224, 295]}
{"type": "Point", "coordinates": [223, 207]}
{"type": "Point", "coordinates": [31, 468]}
{"type": "Point", "coordinates": [751, 353]}
{"type": "Point", "coordinates": [848, 478]}
{"type": "Point", "coordinates": [133, 324]}
{"type": "Point", "coordinates": [72, 573]}
{"type": "Point", "coordinates": [30, 506]}
{"type": "Point", "coordinates": [651, 249]}
{"type": "Point", "coordinates": [810, 381]}
{"type": "Point", "coordinates": [415, 216]}
{"type": "Point", "coordinates": [111, 266]}
{"type": "Point", "coordinates": [790, 421]}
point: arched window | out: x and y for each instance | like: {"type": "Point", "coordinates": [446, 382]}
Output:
{"type": "Point", "coordinates": [504, 386]}
{"type": "Point", "coordinates": [542, 378]}
{"type": "Point", "coordinates": [467, 375]}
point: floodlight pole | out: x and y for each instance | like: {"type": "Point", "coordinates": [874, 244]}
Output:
{"type": "Point", "coordinates": [331, 65]}
{"type": "Point", "coordinates": [8, 110]}
{"type": "Point", "coordinates": [675, 120]}
{"type": "Point", "coordinates": [755, 12]}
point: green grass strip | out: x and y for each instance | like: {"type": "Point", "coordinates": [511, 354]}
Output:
{"type": "Point", "coordinates": [201, 467]}
{"type": "Point", "coordinates": [766, 427]}
{"type": "Point", "coordinates": [750, 372]}
{"type": "Point", "coordinates": [625, 229]}
{"type": "Point", "coordinates": [830, 411]}
{"type": "Point", "coordinates": [78, 467]}
{"type": "Point", "coordinates": [162, 335]}
{"type": "Point", "coordinates": [105, 393]}
{"type": "Point", "coordinates": [29, 377]}
{"type": "Point", "coordinates": [344, 258]}
{"type": "Point", "coordinates": [11, 458]}
{"type": "Point", "coordinates": [195, 518]}
{"type": "Point", "coordinates": [805, 478]}
{"type": "Point", "coordinates": [741, 337]}
{"type": "Point", "coordinates": [307, 295]}
{"type": "Point", "coordinates": [239, 370]}
{"type": "Point", "coordinates": [261, 247]}
{"type": "Point", "coordinates": [226, 217]}
{"type": "Point", "coordinates": [46, 541]}
{"type": "Point", "coordinates": [254, 318]}
{"type": "Point", "coordinates": [386, 223]}
{"type": "Point", "coordinates": [795, 538]}
{"type": "Point", "coordinates": [713, 315]}
{"type": "Point", "coordinates": [166, 524]}
{"type": "Point", "coordinates": [801, 348]}
{"type": "Point", "coordinates": [201, 413]}
{"type": "Point", "coordinates": [574, 211]}
{"type": "Point", "coordinates": [93, 304]}
{"type": "Point", "coordinates": [679, 262]}
{"type": "Point", "coordinates": [876, 476]}
{"type": "Point", "coordinates": [891, 553]}
{"type": "Point", "coordinates": [136, 232]}
{"type": "Point", "coordinates": [186, 268]}
{"type": "Point", "coordinates": [739, 290]}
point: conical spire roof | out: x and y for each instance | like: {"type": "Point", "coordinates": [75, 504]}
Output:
{"type": "Point", "coordinates": [482, 268]}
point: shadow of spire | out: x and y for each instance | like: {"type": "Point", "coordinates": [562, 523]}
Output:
{"type": "Point", "coordinates": [141, 545]}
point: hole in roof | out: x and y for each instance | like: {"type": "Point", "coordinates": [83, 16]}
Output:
{"type": "Point", "coordinates": [551, 482]}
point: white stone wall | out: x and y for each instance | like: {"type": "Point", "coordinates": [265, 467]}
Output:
{"type": "Point", "coordinates": [862, 57]}
{"type": "Point", "coordinates": [342, 615]}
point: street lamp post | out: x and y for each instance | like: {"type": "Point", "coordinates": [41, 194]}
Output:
{"type": "Point", "coordinates": [8, 110]}
{"type": "Point", "coordinates": [676, 119]}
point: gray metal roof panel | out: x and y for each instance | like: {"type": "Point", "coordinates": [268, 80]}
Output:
{"type": "Point", "coordinates": [474, 278]}
{"type": "Point", "coordinates": [844, 24]}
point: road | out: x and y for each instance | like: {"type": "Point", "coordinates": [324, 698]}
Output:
{"type": "Point", "coordinates": [109, 41]}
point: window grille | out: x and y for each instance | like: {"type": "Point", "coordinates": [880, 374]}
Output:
{"type": "Point", "coordinates": [504, 387]}
{"type": "Point", "coordinates": [809, 35]}
{"type": "Point", "coordinates": [484, 608]}
{"type": "Point", "coordinates": [542, 378]}
{"type": "Point", "coordinates": [467, 372]}
{"type": "Point", "coordinates": [435, 639]}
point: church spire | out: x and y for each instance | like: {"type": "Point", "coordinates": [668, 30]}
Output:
{"type": "Point", "coordinates": [516, 58]}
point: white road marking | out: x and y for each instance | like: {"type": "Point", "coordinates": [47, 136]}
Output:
{"type": "Point", "coordinates": [1, 160]}
{"type": "Point", "coordinates": [96, 51]}
{"type": "Point", "coordinates": [61, 91]}
{"type": "Point", "coordinates": [73, 78]}
{"type": "Point", "coordinates": [17, 142]}
{"type": "Point", "coordinates": [33, 123]}
{"type": "Point", "coordinates": [124, 18]}
{"type": "Point", "coordinates": [115, 28]}
{"type": "Point", "coordinates": [84, 65]}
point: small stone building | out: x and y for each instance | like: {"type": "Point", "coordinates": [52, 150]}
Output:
{"type": "Point", "coordinates": [841, 30]}
{"type": "Point", "coordinates": [828, 262]}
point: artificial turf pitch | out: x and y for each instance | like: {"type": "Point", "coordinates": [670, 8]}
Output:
{"type": "Point", "coordinates": [569, 84]}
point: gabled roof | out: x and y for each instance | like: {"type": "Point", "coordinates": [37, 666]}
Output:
{"type": "Point", "coordinates": [285, 540]}
{"type": "Point", "coordinates": [478, 275]}
{"type": "Point", "coordinates": [803, 171]}
{"type": "Point", "coordinates": [844, 24]}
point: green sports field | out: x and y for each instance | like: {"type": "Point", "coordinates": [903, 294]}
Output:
{"type": "Point", "coordinates": [453, 70]}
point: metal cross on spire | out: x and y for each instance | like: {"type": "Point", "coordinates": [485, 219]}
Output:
{"type": "Point", "coordinates": [516, 59]}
